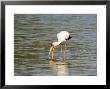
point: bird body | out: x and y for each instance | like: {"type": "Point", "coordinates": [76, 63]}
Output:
{"type": "Point", "coordinates": [62, 36]}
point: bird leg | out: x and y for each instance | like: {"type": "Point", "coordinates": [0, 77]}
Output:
{"type": "Point", "coordinates": [65, 51]}
{"type": "Point", "coordinates": [61, 53]}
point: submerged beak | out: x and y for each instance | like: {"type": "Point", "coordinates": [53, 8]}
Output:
{"type": "Point", "coordinates": [51, 50]}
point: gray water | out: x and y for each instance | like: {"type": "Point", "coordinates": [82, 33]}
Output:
{"type": "Point", "coordinates": [33, 34]}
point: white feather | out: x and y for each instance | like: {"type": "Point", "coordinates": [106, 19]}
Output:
{"type": "Point", "coordinates": [62, 36]}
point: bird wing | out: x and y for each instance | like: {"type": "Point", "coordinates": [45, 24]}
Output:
{"type": "Point", "coordinates": [62, 36]}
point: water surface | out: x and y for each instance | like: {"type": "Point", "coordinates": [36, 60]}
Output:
{"type": "Point", "coordinates": [33, 34]}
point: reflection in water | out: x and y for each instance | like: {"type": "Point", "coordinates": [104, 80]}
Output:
{"type": "Point", "coordinates": [60, 68]}
{"type": "Point", "coordinates": [51, 62]}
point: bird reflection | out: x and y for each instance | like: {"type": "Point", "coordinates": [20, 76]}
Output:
{"type": "Point", "coordinates": [60, 68]}
{"type": "Point", "coordinates": [51, 62]}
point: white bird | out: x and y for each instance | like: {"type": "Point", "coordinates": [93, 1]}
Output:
{"type": "Point", "coordinates": [62, 36]}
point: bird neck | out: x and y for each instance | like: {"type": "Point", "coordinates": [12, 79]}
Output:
{"type": "Point", "coordinates": [56, 43]}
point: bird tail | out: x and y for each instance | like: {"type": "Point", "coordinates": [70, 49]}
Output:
{"type": "Point", "coordinates": [69, 37]}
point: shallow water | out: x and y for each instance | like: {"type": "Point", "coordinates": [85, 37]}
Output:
{"type": "Point", "coordinates": [34, 33]}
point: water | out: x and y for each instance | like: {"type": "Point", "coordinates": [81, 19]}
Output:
{"type": "Point", "coordinates": [33, 34]}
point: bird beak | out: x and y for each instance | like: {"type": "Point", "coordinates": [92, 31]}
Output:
{"type": "Point", "coordinates": [51, 49]}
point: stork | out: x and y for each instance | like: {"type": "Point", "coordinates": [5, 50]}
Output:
{"type": "Point", "coordinates": [62, 36]}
